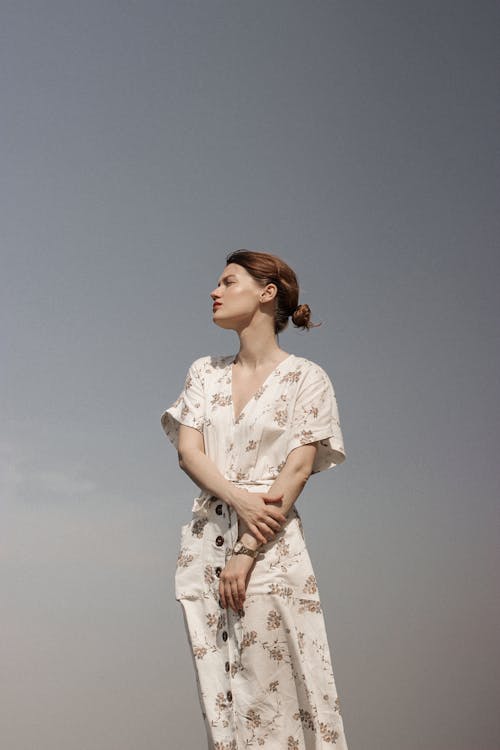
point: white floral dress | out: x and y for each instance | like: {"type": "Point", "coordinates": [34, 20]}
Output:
{"type": "Point", "coordinates": [264, 677]}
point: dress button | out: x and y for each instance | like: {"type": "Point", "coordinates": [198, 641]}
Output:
{"type": "Point", "coordinates": [218, 571]}
{"type": "Point", "coordinates": [219, 541]}
{"type": "Point", "coordinates": [224, 635]}
{"type": "Point", "coordinates": [218, 510]}
{"type": "Point", "coordinates": [227, 666]}
{"type": "Point", "coordinates": [229, 696]}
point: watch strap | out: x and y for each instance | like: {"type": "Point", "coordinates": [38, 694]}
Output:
{"type": "Point", "coordinates": [240, 549]}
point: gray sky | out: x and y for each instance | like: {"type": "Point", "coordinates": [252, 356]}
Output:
{"type": "Point", "coordinates": [142, 141]}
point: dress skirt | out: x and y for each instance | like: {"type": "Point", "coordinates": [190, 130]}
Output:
{"type": "Point", "coordinates": [264, 676]}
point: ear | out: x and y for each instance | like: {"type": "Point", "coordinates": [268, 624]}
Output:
{"type": "Point", "coordinates": [268, 293]}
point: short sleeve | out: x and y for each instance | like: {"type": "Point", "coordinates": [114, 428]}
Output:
{"type": "Point", "coordinates": [316, 419]}
{"type": "Point", "coordinates": [188, 408]}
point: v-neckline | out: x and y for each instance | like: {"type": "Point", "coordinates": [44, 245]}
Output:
{"type": "Point", "coordinates": [252, 397]}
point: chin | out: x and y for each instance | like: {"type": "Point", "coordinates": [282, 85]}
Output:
{"type": "Point", "coordinates": [227, 324]}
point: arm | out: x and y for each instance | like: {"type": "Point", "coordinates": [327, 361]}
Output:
{"type": "Point", "coordinates": [289, 483]}
{"type": "Point", "coordinates": [257, 513]}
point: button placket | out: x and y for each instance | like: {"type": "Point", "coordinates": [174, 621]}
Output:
{"type": "Point", "coordinates": [232, 656]}
{"type": "Point", "coordinates": [219, 548]}
{"type": "Point", "coordinates": [232, 527]}
{"type": "Point", "coordinates": [226, 527]}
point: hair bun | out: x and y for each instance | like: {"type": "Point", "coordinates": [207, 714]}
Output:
{"type": "Point", "coordinates": [301, 317]}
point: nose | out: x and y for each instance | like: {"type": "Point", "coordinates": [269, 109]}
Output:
{"type": "Point", "coordinates": [215, 294]}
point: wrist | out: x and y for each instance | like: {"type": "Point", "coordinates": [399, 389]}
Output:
{"type": "Point", "coordinates": [241, 549]}
{"type": "Point", "coordinates": [233, 496]}
{"type": "Point", "coordinates": [249, 540]}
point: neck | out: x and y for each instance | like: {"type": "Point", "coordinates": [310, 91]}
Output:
{"type": "Point", "coordinates": [256, 351]}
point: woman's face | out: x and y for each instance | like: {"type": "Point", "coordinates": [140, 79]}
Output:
{"type": "Point", "coordinates": [236, 297]}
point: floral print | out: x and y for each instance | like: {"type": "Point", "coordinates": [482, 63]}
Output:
{"type": "Point", "coordinates": [264, 675]}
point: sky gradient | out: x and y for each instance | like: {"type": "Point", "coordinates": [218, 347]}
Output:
{"type": "Point", "coordinates": [140, 143]}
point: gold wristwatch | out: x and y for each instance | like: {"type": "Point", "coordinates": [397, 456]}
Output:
{"type": "Point", "coordinates": [240, 549]}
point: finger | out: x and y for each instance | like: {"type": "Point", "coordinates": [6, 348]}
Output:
{"type": "Point", "coordinates": [268, 499]}
{"type": "Point", "coordinates": [236, 596]}
{"type": "Point", "coordinates": [241, 591]}
{"type": "Point", "coordinates": [270, 533]}
{"type": "Point", "coordinates": [277, 516]}
{"type": "Point", "coordinates": [229, 595]}
{"type": "Point", "coordinates": [257, 534]}
{"type": "Point", "coordinates": [273, 523]}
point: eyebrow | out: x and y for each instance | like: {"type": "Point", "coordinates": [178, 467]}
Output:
{"type": "Point", "coordinates": [228, 276]}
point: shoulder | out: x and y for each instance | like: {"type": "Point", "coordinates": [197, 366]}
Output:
{"type": "Point", "coordinates": [210, 363]}
{"type": "Point", "coordinates": [311, 370]}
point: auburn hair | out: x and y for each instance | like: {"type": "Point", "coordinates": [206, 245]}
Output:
{"type": "Point", "coordinates": [269, 269]}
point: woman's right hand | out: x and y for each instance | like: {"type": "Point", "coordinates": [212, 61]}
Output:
{"type": "Point", "coordinates": [256, 511]}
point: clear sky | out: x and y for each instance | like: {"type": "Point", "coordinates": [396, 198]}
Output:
{"type": "Point", "coordinates": [140, 142]}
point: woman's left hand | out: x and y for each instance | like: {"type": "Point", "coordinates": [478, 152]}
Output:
{"type": "Point", "coordinates": [233, 581]}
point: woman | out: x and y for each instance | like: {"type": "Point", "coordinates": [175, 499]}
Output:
{"type": "Point", "coordinates": [250, 429]}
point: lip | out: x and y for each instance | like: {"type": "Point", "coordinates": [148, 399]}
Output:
{"type": "Point", "coordinates": [216, 305]}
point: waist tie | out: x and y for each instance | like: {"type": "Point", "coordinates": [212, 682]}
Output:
{"type": "Point", "coordinates": [203, 501]}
